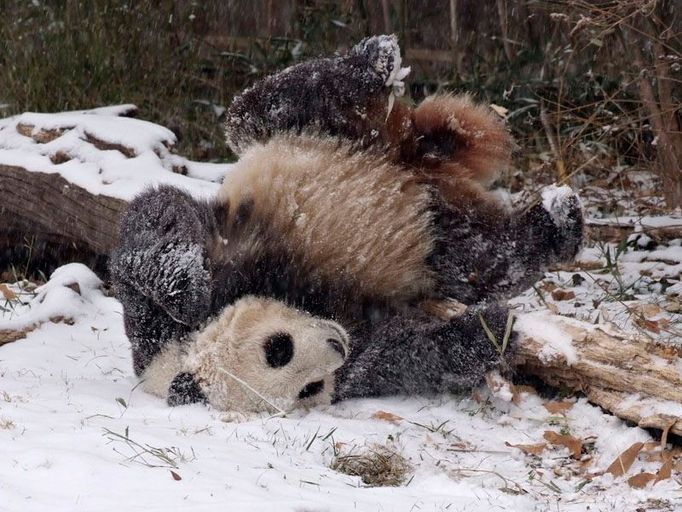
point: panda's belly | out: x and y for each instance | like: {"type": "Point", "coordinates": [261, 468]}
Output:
{"type": "Point", "coordinates": [342, 216]}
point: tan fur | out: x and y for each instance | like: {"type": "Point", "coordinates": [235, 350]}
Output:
{"type": "Point", "coordinates": [158, 376]}
{"type": "Point", "coordinates": [234, 342]}
{"type": "Point", "coordinates": [352, 216]}
{"type": "Point", "coordinates": [482, 146]}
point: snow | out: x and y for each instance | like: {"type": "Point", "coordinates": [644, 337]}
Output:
{"type": "Point", "coordinates": [555, 201]}
{"type": "Point", "coordinates": [643, 222]}
{"type": "Point", "coordinates": [74, 423]}
{"type": "Point", "coordinates": [69, 288]}
{"type": "Point", "coordinates": [556, 343]}
{"type": "Point", "coordinates": [136, 154]}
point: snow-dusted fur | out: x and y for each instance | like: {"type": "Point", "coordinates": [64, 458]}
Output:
{"type": "Point", "coordinates": [343, 96]}
{"type": "Point", "coordinates": [346, 218]}
{"type": "Point", "coordinates": [353, 207]}
{"type": "Point", "coordinates": [255, 354]}
{"type": "Point", "coordinates": [182, 261]}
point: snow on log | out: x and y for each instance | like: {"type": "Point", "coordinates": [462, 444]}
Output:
{"type": "Point", "coordinates": [66, 177]}
{"type": "Point", "coordinates": [635, 378]}
{"type": "Point", "coordinates": [615, 230]}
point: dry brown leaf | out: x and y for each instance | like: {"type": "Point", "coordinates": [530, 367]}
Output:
{"type": "Point", "coordinates": [649, 310]}
{"type": "Point", "coordinates": [7, 293]}
{"type": "Point", "coordinates": [558, 407]}
{"type": "Point", "coordinates": [387, 416]}
{"type": "Point", "coordinates": [585, 463]}
{"type": "Point", "coordinates": [516, 396]}
{"type": "Point", "coordinates": [548, 286]}
{"type": "Point", "coordinates": [529, 449]}
{"type": "Point", "coordinates": [650, 446]}
{"type": "Point", "coordinates": [666, 470]}
{"type": "Point", "coordinates": [624, 461]}
{"type": "Point", "coordinates": [640, 480]}
{"type": "Point", "coordinates": [574, 445]}
{"type": "Point", "coordinates": [499, 110]}
{"type": "Point", "coordinates": [175, 476]}
{"type": "Point", "coordinates": [560, 294]}
{"type": "Point", "coordinates": [522, 388]}
{"type": "Point", "coordinates": [649, 325]}
{"type": "Point", "coordinates": [461, 445]}
{"type": "Point", "coordinates": [653, 456]}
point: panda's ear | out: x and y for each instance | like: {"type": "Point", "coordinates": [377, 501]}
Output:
{"type": "Point", "coordinates": [184, 389]}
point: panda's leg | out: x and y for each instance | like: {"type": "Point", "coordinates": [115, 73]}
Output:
{"type": "Point", "coordinates": [147, 325]}
{"type": "Point", "coordinates": [478, 259]}
{"type": "Point", "coordinates": [414, 353]}
{"type": "Point", "coordinates": [162, 253]}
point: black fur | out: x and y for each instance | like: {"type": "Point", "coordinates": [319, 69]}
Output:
{"type": "Point", "coordinates": [333, 96]}
{"type": "Point", "coordinates": [160, 269]}
{"type": "Point", "coordinates": [312, 389]}
{"type": "Point", "coordinates": [279, 349]}
{"type": "Point", "coordinates": [479, 258]}
{"type": "Point", "coordinates": [185, 390]}
{"type": "Point", "coordinates": [411, 352]}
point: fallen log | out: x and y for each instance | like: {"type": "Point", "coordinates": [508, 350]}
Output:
{"type": "Point", "coordinates": [65, 178]}
{"type": "Point", "coordinates": [613, 231]}
{"type": "Point", "coordinates": [50, 207]}
{"type": "Point", "coordinates": [635, 378]}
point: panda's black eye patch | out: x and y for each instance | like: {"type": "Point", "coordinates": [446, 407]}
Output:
{"type": "Point", "coordinates": [311, 389]}
{"type": "Point", "coordinates": [279, 349]}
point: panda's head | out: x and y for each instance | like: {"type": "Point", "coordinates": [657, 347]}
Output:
{"type": "Point", "coordinates": [260, 347]}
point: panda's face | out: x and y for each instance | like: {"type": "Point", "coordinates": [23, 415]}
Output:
{"type": "Point", "coordinates": [263, 347]}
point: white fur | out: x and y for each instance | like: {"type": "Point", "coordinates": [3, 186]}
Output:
{"type": "Point", "coordinates": [232, 346]}
{"type": "Point", "coordinates": [158, 376]}
{"type": "Point", "coordinates": [228, 362]}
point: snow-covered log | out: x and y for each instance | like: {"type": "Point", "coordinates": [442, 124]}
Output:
{"type": "Point", "coordinates": [615, 230]}
{"type": "Point", "coordinates": [51, 208]}
{"type": "Point", "coordinates": [65, 178]}
{"type": "Point", "coordinates": [634, 377]}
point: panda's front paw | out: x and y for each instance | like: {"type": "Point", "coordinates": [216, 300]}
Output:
{"type": "Point", "coordinates": [560, 218]}
{"type": "Point", "coordinates": [184, 390]}
{"type": "Point", "coordinates": [182, 283]}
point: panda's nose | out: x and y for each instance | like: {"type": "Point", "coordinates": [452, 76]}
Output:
{"type": "Point", "coordinates": [338, 346]}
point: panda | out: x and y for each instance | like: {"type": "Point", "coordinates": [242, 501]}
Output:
{"type": "Point", "coordinates": [257, 354]}
{"type": "Point", "coordinates": [325, 221]}
{"type": "Point", "coordinates": [342, 235]}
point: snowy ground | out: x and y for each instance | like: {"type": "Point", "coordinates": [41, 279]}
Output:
{"type": "Point", "coordinates": [77, 433]}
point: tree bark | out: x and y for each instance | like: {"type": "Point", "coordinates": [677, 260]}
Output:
{"type": "Point", "coordinates": [51, 208]}
{"type": "Point", "coordinates": [634, 378]}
